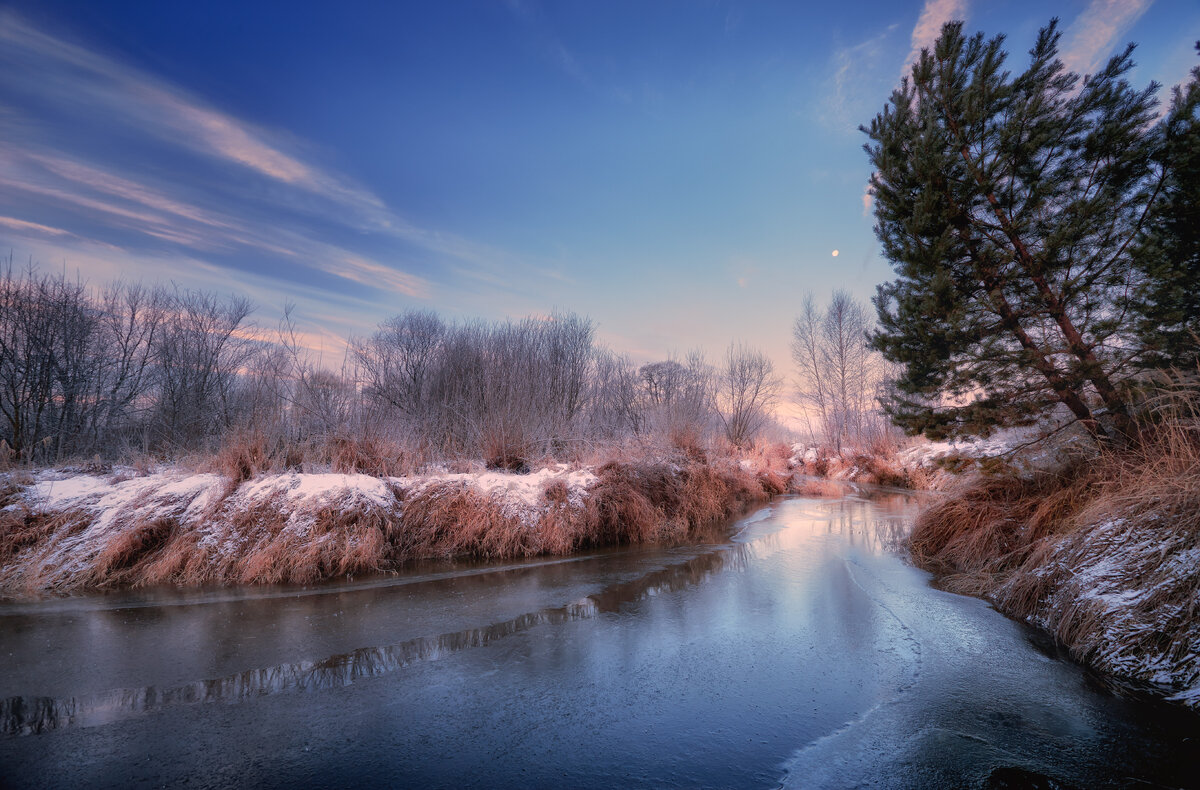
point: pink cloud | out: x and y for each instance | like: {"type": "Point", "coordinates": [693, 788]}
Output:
{"type": "Point", "coordinates": [934, 14]}
{"type": "Point", "coordinates": [19, 224]}
{"type": "Point", "coordinates": [1097, 30]}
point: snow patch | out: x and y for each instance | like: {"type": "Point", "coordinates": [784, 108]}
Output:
{"type": "Point", "coordinates": [524, 491]}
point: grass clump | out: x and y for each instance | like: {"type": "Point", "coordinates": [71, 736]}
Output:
{"type": "Point", "coordinates": [1104, 552]}
{"type": "Point", "coordinates": [295, 528]}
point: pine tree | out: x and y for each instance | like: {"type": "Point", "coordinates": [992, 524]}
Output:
{"type": "Point", "coordinates": [1168, 299]}
{"type": "Point", "coordinates": [1009, 207]}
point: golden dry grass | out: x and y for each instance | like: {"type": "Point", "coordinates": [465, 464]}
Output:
{"type": "Point", "coordinates": [1100, 552]}
{"type": "Point", "coordinates": [26, 537]}
{"type": "Point", "coordinates": [452, 519]}
{"type": "Point", "coordinates": [265, 540]}
{"type": "Point", "coordinates": [818, 487]}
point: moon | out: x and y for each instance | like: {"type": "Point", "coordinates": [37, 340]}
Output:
{"type": "Point", "coordinates": [835, 253]}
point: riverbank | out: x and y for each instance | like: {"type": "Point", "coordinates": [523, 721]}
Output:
{"type": "Point", "coordinates": [803, 652]}
{"type": "Point", "coordinates": [64, 531]}
{"type": "Point", "coordinates": [1103, 552]}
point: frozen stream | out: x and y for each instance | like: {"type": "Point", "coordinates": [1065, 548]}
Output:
{"type": "Point", "coordinates": [802, 652]}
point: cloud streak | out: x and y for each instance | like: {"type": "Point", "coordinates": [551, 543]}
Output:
{"type": "Point", "coordinates": [149, 213]}
{"type": "Point", "coordinates": [854, 69]}
{"type": "Point", "coordinates": [1093, 34]}
{"type": "Point", "coordinates": [934, 14]}
{"type": "Point", "coordinates": [13, 223]}
{"type": "Point", "coordinates": [168, 113]}
{"type": "Point", "coordinates": [258, 193]}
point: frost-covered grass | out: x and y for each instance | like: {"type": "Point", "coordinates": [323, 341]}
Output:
{"type": "Point", "coordinates": [63, 531]}
{"type": "Point", "coordinates": [857, 465]}
{"type": "Point", "coordinates": [1104, 553]}
{"type": "Point", "coordinates": [927, 465]}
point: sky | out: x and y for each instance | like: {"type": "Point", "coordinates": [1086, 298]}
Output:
{"type": "Point", "coordinates": [679, 172]}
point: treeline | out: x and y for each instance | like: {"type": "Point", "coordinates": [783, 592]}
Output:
{"type": "Point", "coordinates": [129, 371]}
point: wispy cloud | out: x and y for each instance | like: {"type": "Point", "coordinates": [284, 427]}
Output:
{"type": "Point", "coordinates": [339, 315]}
{"type": "Point", "coordinates": [934, 14]}
{"type": "Point", "coordinates": [855, 85]}
{"type": "Point", "coordinates": [146, 211]}
{"type": "Point", "coordinates": [528, 14]}
{"type": "Point", "coordinates": [13, 223]}
{"type": "Point", "coordinates": [261, 191]}
{"type": "Point", "coordinates": [165, 111]}
{"type": "Point", "coordinates": [1177, 69]}
{"type": "Point", "coordinates": [116, 186]}
{"type": "Point", "coordinates": [368, 272]}
{"type": "Point", "coordinates": [1100, 27]}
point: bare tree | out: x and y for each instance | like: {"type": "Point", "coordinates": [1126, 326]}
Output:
{"type": "Point", "coordinates": [808, 352]}
{"type": "Point", "coordinates": [86, 371]}
{"type": "Point", "coordinates": [31, 334]}
{"type": "Point", "coordinates": [399, 357]}
{"type": "Point", "coordinates": [129, 316]}
{"type": "Point", "coordinates": [199, 351]}
{"type": "Point", "coordinates": [747, 391]}
{"type": "Point", "coordinates": [678, 396]}
{"type": "Point", "coordinates": [614, 397]}
{"type": "Point", "coordinates": [568, 352]}
{"type": "Point", "coordinates": [839, 377]}
{"type": "Point", "coordinates": [506, 390]}
{"type": "Point", "coordinates": [72, 367]}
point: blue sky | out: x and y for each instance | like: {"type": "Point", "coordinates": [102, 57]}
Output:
{"type": "Point", "coordinates": [679, 172]}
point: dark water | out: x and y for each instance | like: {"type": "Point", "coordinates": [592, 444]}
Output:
{"type": "Point", "coordinates": [803, 652]}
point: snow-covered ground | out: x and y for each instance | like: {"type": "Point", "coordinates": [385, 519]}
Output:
{"type": "Point", "coordinates": [935, 465]}
{"type": "Point", "coordinates": [1118, 583]}
{"type": "Point", "coordinates": [109, 495]}
{"type": "Point", "coordinates": [1026, 445]}
{"type": "Point", "coordinates": [1125, 589]}
{"type": "Point", "coordinates": [210, 507]}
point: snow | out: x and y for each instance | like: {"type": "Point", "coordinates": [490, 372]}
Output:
{"type": "Point", "coordinates": [107, 504]}
{"type": "Point", "coordinates": [60, 494]}
{"type": "Point", "coordinates": [520, 490]}
{"type": "Point", "coordinates": [207, 503]}
{"type": "Point", "coordinates": [165, 493]}
{"type": "Point", "coordinates": [925, 454]}
{"type": "Point", "coordinates": [316, 490]}
{"type": "Point", "coordinates": [106, 497]}
{"type": "Point", "coordinates": [1135, 575]}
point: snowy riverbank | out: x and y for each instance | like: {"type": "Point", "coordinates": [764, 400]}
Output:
{"type": "Point", "coordinates": [63, 531]}
{"type": "Point", "coordinates": [1101, 549]}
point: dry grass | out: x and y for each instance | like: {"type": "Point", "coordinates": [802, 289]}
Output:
{"type": "Point", "coordinates": [338, 542]}
{"type": "Point", "coordinates": [632, 504]}
{"type": "Point", "coordinates": [266, 538]}
{"type": "Point", "coordinates": [240, 457]}
{"type": "Point", "coordinates": [132, 545]}
{"type": "Point", "coordinates": [245, 454]}
{"type": "Point", "coordinates": [10, 487]}
{"type": "Point", "coordinates": [368, 455]}
{"type": "Point", "coordinates": [1102, 552]}
{"type": "Point", "coordinates": [880, 470]}
{"type": "Point", "coordinates": [26, 537]}
{"type": "Point", "coordinates": [452, 519]}
{"type": "Point", "coordinates": [817, 487]}
{"type": "Point", "coordinates": [19, 528]}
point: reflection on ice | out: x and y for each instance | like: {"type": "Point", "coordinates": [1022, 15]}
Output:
{"type": "Point", "coordinates": [31, 715]}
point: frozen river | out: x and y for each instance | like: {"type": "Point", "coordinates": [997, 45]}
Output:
{"type": "Point", "coordinates": [803, 651]}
